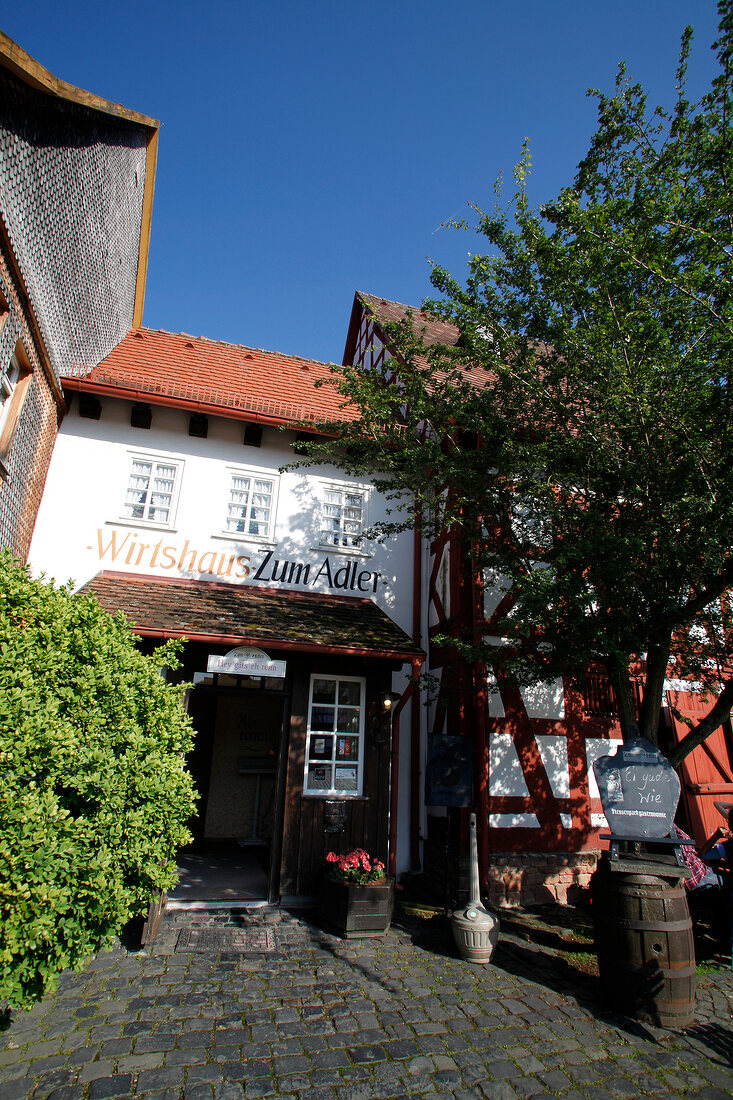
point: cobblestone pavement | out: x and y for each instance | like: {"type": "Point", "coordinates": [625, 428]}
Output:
{"type": "Point", "coordinates": [237, 1006]}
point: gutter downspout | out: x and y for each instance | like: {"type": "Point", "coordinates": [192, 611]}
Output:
{"type": "Point", "coordinates": [410, 691]}
{"type": "Point", "coordinates": [415, 786]}
{"type": "Point", "coordinates": [481, 773]}
{"type": "Point", "coordinates": [481, 747]}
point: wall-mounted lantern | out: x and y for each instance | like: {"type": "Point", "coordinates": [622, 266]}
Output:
{"type": "Point", "coordinates": [383, 725]}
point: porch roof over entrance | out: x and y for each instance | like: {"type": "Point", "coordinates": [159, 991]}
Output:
{"type": "Point", "coordinates": [207, 611]}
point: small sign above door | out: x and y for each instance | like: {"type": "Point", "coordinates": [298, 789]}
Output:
{"type": "Point", "coordinates": [246, 661]}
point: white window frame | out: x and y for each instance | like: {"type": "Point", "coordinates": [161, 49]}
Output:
{"type": "Point", "coordinates": [15, 381]}
{"type": "Point", "coordinates": [155, 459]}
{"type": "Point", "coordinates": [8, 381]}
{"type": "Point", "coordinates": [332, 761]}
{"type": "Point", "coordinates": [344, 488]}
{"type": "Point", "coordinates": [254, 474]}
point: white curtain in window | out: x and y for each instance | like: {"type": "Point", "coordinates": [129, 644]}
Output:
{"type": "Point", "coordinates": [150, 491]}
{"type": "Point", "coordinates": [250, 505]}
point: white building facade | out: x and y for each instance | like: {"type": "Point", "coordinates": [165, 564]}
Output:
{"type": "Point", "coordinates": [169, 497]}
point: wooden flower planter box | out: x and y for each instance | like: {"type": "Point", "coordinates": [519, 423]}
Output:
{"type": "Point", "coordinates": [356, 911]}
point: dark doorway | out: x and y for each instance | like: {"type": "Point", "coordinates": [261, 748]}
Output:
{"type": "Point", "coordinates": [220, 874]}
{"type": "Point", "coordinates": [236, 765]}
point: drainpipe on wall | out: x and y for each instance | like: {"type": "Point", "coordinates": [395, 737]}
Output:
{"type": "Point", "coordinates": [415, 784]}
{"type": "Point", "coordinates": [481, 773]}
{"type": "Point", "coordinates": [481, 746]}
{"type": "Point", "coordinates": [410, 691]}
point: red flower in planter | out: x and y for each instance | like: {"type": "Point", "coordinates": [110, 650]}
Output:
{"type": "Point", "coordinates": [357, 866]}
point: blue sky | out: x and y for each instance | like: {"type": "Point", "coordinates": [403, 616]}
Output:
{"type": "Point", "coordinates": [309, 149]}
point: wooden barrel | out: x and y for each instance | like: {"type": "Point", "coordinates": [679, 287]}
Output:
{"type": "Point", "coordinates": [643, 939]}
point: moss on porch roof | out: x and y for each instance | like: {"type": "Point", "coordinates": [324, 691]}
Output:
{"type": "Point", "coordinates": [280, 619]}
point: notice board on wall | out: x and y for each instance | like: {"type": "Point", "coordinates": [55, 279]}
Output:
{"type": "Point", "coordinates": [449, 771]}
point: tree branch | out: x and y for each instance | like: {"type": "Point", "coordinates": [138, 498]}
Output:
{"type": "Point", "coordinates": [703, 729]}
{"type": "Point", "coordinates": [624, 696]}
{"type": "Point", "coordinates": [657, 660]}
{"type": "Point", "coordinates": [712, 591]}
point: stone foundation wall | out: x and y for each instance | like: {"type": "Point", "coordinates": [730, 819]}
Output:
{"type": "Point", "coordinates": [515, 878]}
{"type": "Point", "coordinates": [534, 878]}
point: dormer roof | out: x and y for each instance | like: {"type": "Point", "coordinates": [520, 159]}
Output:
{"type": "Point", "coordinates": [432, 329]}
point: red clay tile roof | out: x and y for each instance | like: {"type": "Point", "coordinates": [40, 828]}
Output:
{"type": "Point", "coordinates": [193, 372]}
{"type": "Point", "coordinates": [211, 611]}
{"type": "Point", "coordinates": [426, 325]}
{"type": "Point", "coordinates": [435, 331]}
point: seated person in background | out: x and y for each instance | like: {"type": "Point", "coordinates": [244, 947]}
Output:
{"type": "Point", "coordinates": [717, 851]}
{"type": "Point", "coordinates": [705, 895]}
{"type": "Point", "coordinates": [703, 877]}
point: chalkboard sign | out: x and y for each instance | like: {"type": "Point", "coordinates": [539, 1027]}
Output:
{"type": "Point", "coordinates": [639, 790]}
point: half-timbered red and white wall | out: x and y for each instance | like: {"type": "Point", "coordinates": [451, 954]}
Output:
{"type": "Point", "coordinates": [538, 804]}
{"type": "Point", "coordinates": [539, 813]}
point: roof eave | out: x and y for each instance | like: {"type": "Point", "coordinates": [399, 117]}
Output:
{"type": "Point", "coordinates": [280, 646]}
{"type": "Point", "coordinates": [135, 393]}
{"type": "Point", "coordinates": [31, 72]}
{"type": "Point", "coordinates": [151, 160]}
{"type": "Point", "coordinates": [353, 330]}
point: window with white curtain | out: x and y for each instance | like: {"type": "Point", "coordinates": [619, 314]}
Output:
{"type": "Point", "coordinates": [343, 515]}
{"type": "Point", "coordinates": [152, 489]}
{"type": "Point", "coordinates": [251, 505]}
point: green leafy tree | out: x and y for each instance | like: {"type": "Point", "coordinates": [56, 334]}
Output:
{"type": "Point", "coordinates": [94, 797]}
{"type": "Point", "coordinates": [579, 431]}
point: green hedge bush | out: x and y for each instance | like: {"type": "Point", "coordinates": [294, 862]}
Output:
{"type": "Point", "coordinates": [94, 796]}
